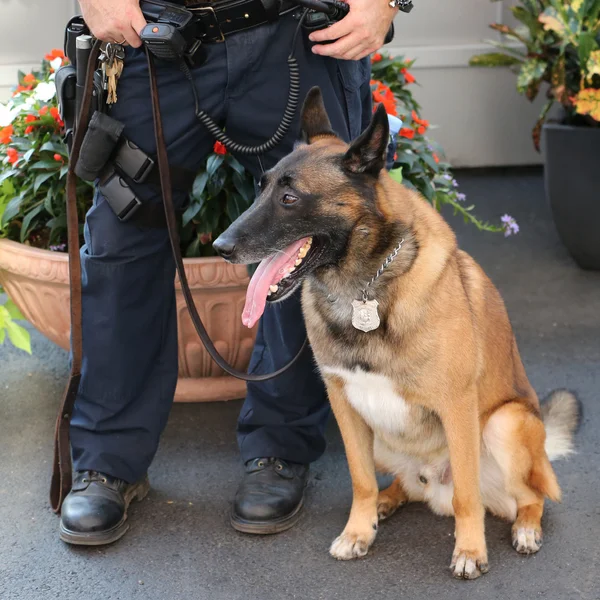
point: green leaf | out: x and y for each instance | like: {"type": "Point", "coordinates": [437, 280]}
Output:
{"type": "Point", "coordinates": [587, 43]}
{"type": "Point", "coordinates": [28, 154]}
{"type": "Point", "coordinates": [48, 202]}
{"type": "Point", "coordinates": [54, 147]}
{"type": "Point", "coordinates": [396, 174]}
{"type": "Point", "coordinates": [13, 311]}
{"type": "Point", "coordinates": [40, 179]}
{"type": "Point", "coordinates": [235, 206]}
{"type": "Point", "coordinates": [493, 59]}
{"type": "Point", "coordinates": [199, 185]}
{"type": "Point", "coordinates": [531, 73]}
{"type": "Point", "coordinates": [63, 171]}
{"type": "Point", "coordinates": [235, 164]}
{"type": "Point", "coordinates": [25, 229]}
{"type": "Point", "coordinates": [19, 336]}
{"type": "Point", "coordinates": [11, 210]}
{"type": "Point", "coordinates": [191, 211]}
{"type": "Point", "coordinates": [2, 334]}
{"type": "Point", "coordinates": [7, 174]}
{"type": "Point", "coordinates": [46, 164]}
{"type": "Point", "coordinates": [213, 163]}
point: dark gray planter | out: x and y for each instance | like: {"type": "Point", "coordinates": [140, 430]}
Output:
{"type": "Point", "coordinates": [572, 177]}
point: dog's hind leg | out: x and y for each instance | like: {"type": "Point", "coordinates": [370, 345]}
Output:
{"type": "Point", "coordinates": [360, 531]}
{"type": "Point", "coordinates": [515, 437]}
{"type": "Point", "coordinates": [391, 499]}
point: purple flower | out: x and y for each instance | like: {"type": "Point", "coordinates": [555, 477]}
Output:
{"type": "Point", "coordinates": [454, 183]}
{"type": "Point", "coordinates": [448, 176]}
{"type": "Point", "coordinates": [461, 197]}
{"type": "Point", "coordinates": [510, 225]}
{"type": "Point", "coordinates": [58, 248]}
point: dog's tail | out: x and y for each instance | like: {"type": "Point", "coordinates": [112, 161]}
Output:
{"type": "Point", "coordinates": [561, 413]}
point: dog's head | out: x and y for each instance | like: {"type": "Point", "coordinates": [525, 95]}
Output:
{"type": "Point", "coordinates": [309, 206]}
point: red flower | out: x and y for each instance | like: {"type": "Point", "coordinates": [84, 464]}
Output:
{"type": "Point", "coordinates": [30, 118]}
{"type": "Point", "coordinates": [205, 238]}
{"type": "Point", "coordinates": [384, 95]}
{"type": "Point", "coordinates": [13, 156]}
{"type": "Point", "coordinates": [421, 130]}
{"type": "Point", "coordinates": [407, 76]}
{"type": "Point", "coordinates": [219, 148]}
{"type": "Point", "coordinates": [376, 57]}
{"type": "Point", "coordinates": [56, 53]}
{"type": "Point", "coordinates": [29, 78]}
{"type": "Point", "coordinates": [22, 88]}
{"type": "Point", "coordinates": [396, 156]}
{"type": "Point", "coordinates": [6, 134]}
{"type": "Point", "coordinates": [43, 111]}
{"type": "Point", "coordinates": [29, 129]}
{"type": "Point", "coordinates": [58, 157]}
{"type": "Point", "coordinates": [436, 157]}
{"type": "Point", "coordinates": [56, 115]}
{"type": "Point", "coordinates": [407, 133]}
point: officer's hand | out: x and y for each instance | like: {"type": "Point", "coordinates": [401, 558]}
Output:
{"type": "Point", "coordinates": [359, 34]}
{"type": "Point", "coordinates": [114, 20]}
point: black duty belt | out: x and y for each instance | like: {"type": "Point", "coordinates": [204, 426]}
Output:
{"type": "Point", "coordinates": [221, 18]}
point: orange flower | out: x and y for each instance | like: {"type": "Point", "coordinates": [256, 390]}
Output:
{"type": "Point", "coordinates": [30, 78]}
{"type": "Point", "coordinates": [436, 157]}
{"type": "Point", "coordinates": [43, 111]}
{"type": "Point", "coordinates": [56, 115]}
{"type": "Point", "coordinates": [30, 118]}
{"type": "Point", "coordinates": [407, 76]}
{"type": "Point", "coordinates": [22, 88]}
{"type": "Point", "coordinates": [384, 95]}
{"type": "Point", "coordinates": [376, 57]}
{"type": "Point", "coordinates": [219, 148]}
{"type": "Point", "coordinates": [6, 134]}
{"type": "Point", "coordinates": [407, 133]}
{"type": "Point", "coordinates": [29, 129]}
{"type": "Point", "coordinates": [421, 130]}
{"type": "Point", "coordinates": [56, 53]}
{"type": "Point", "coordinates": [58, 157]}
{"type": "Point", "coordinates": [13, 156]}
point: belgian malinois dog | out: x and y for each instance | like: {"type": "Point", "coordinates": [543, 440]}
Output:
{"type": "Point", "coordinates": [419, 358]}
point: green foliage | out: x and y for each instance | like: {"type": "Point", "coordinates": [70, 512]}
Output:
{"type": "Point", "coordinates": [561, 42]}
{"type": "Point", "coordinates": [18, 335]}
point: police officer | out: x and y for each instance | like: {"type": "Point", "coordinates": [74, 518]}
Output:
{"type": "Point", "coordinates": [129, 324]}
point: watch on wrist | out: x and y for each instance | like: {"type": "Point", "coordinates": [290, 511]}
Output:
{"type": "Point", "coordinates": [404, 5]}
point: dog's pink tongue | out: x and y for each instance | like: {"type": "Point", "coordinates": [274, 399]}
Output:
{"type": "Point", "coordinates": [270, 272]}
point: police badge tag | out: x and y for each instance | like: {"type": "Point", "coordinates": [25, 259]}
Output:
{"type": "Point", "coordinates": [364, 315]}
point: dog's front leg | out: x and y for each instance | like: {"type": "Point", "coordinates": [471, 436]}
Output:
{"type": "Point", "coordinates": [360, 531]}
{"type": "Point", "coordinates": [461, 424]}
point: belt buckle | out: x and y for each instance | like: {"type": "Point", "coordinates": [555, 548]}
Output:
{"type": "Point", "coordinates": [211, 11]}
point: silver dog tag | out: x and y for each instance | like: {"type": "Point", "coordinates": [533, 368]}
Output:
{"type": "Point", "coordinates": [364, 315]}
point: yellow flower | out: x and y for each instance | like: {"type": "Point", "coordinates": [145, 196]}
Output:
{"type": "Point", "coordinates": [587, 102]}
{"type": "Point", "coordinates": [593, 64]}
{"type": "Point", "coordinates": [576, 5]}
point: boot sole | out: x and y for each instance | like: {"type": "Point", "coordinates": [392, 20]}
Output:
{"type": "Point", "coordinates": [267, 527]}
{"type": "Point", "coordinates": [100, 538]}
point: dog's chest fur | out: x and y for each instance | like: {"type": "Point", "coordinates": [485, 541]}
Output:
{"type": "Point", "coordinates": [374, 397]}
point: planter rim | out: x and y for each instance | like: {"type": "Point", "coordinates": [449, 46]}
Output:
{"type": "Point", "coordinates": [570, 127]}
{"type": "Point", "coordinates": [64, 257]}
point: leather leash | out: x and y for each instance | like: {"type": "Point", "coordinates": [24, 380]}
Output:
{"type": "Point", "coordinates": [62, 470]}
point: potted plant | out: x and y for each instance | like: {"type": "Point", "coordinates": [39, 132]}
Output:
{"type": "Point", "coordinates": [34, 265]}
{"type": "Point", "coordinates": [557, 47]}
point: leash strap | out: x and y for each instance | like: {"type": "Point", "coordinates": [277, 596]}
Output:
{"type": "Point", "coordinates": [62, 468]}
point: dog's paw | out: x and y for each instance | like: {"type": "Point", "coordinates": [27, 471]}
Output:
{"type": "Point", "coordinates": [386, 507]}
{"type": "Point", "coordinates": [468, 565]}
{"type": "Point", "coordinates": [351, 545]}
{"type": "Point", "coordinates": [526, 540]}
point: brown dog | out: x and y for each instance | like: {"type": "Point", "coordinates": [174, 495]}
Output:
{"type": "Point", "coordinates": [430, 387]}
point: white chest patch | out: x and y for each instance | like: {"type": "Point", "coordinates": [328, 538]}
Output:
{"type": "Point", "coordinates": [374, 398]}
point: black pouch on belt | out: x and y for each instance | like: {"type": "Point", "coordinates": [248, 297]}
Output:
{"type": "Point", "coordinates": [98, 145]}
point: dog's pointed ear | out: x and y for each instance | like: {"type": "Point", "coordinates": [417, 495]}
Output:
{"type": "Point", "coordinates": [315, 122]}
{"type": "Point", "coordinates": [368, 151]}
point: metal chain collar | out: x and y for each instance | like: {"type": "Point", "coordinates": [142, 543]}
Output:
{"type": "Point", "coordinates": [386, 263]}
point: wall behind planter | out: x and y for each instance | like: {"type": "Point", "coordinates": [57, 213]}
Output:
{"type": "Point", "coordinates": [482, 120]}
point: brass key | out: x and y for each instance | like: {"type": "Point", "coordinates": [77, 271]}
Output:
{"type": "Point", "coordinates": [112, 66]}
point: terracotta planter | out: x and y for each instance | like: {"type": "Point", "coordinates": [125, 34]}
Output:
{"type": "Point", "coordinates": [37, 281]}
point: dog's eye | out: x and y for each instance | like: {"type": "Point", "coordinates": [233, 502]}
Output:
{"type": "Point", "coordinates": [289, 199]}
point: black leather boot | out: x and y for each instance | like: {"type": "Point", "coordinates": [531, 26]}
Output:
{"type": "Point", "coordinates": [270, 497]}
{"type": "Point", "coordinates": [95, 511]}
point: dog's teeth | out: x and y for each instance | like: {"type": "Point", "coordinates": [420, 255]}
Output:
{"type": "Point", "coordinates": [303, 252]}
{"type": "Point", "coordinates": [309, 242]}
{"type": "Point", "coordinates": [274, 288]}
{"type": "Point", "coordinates": [298, 262]}
{"type": "Point", "coordinates": [269, 293]}
{"type": "Point", "coordinates": [292, 270]}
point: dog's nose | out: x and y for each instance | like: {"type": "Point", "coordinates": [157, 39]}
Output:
{"type": "Point", "coordinates": [224, 247]}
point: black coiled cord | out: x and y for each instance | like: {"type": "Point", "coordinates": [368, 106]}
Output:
{"type": "Point", "coordinates": [288, 114]}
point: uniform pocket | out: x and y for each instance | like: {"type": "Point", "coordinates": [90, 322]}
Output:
{"type": "Point", "coordinates": [353, 75]}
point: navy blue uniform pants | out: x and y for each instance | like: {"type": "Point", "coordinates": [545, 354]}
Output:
{"type": "Point", "coordinates": [129, 324]}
